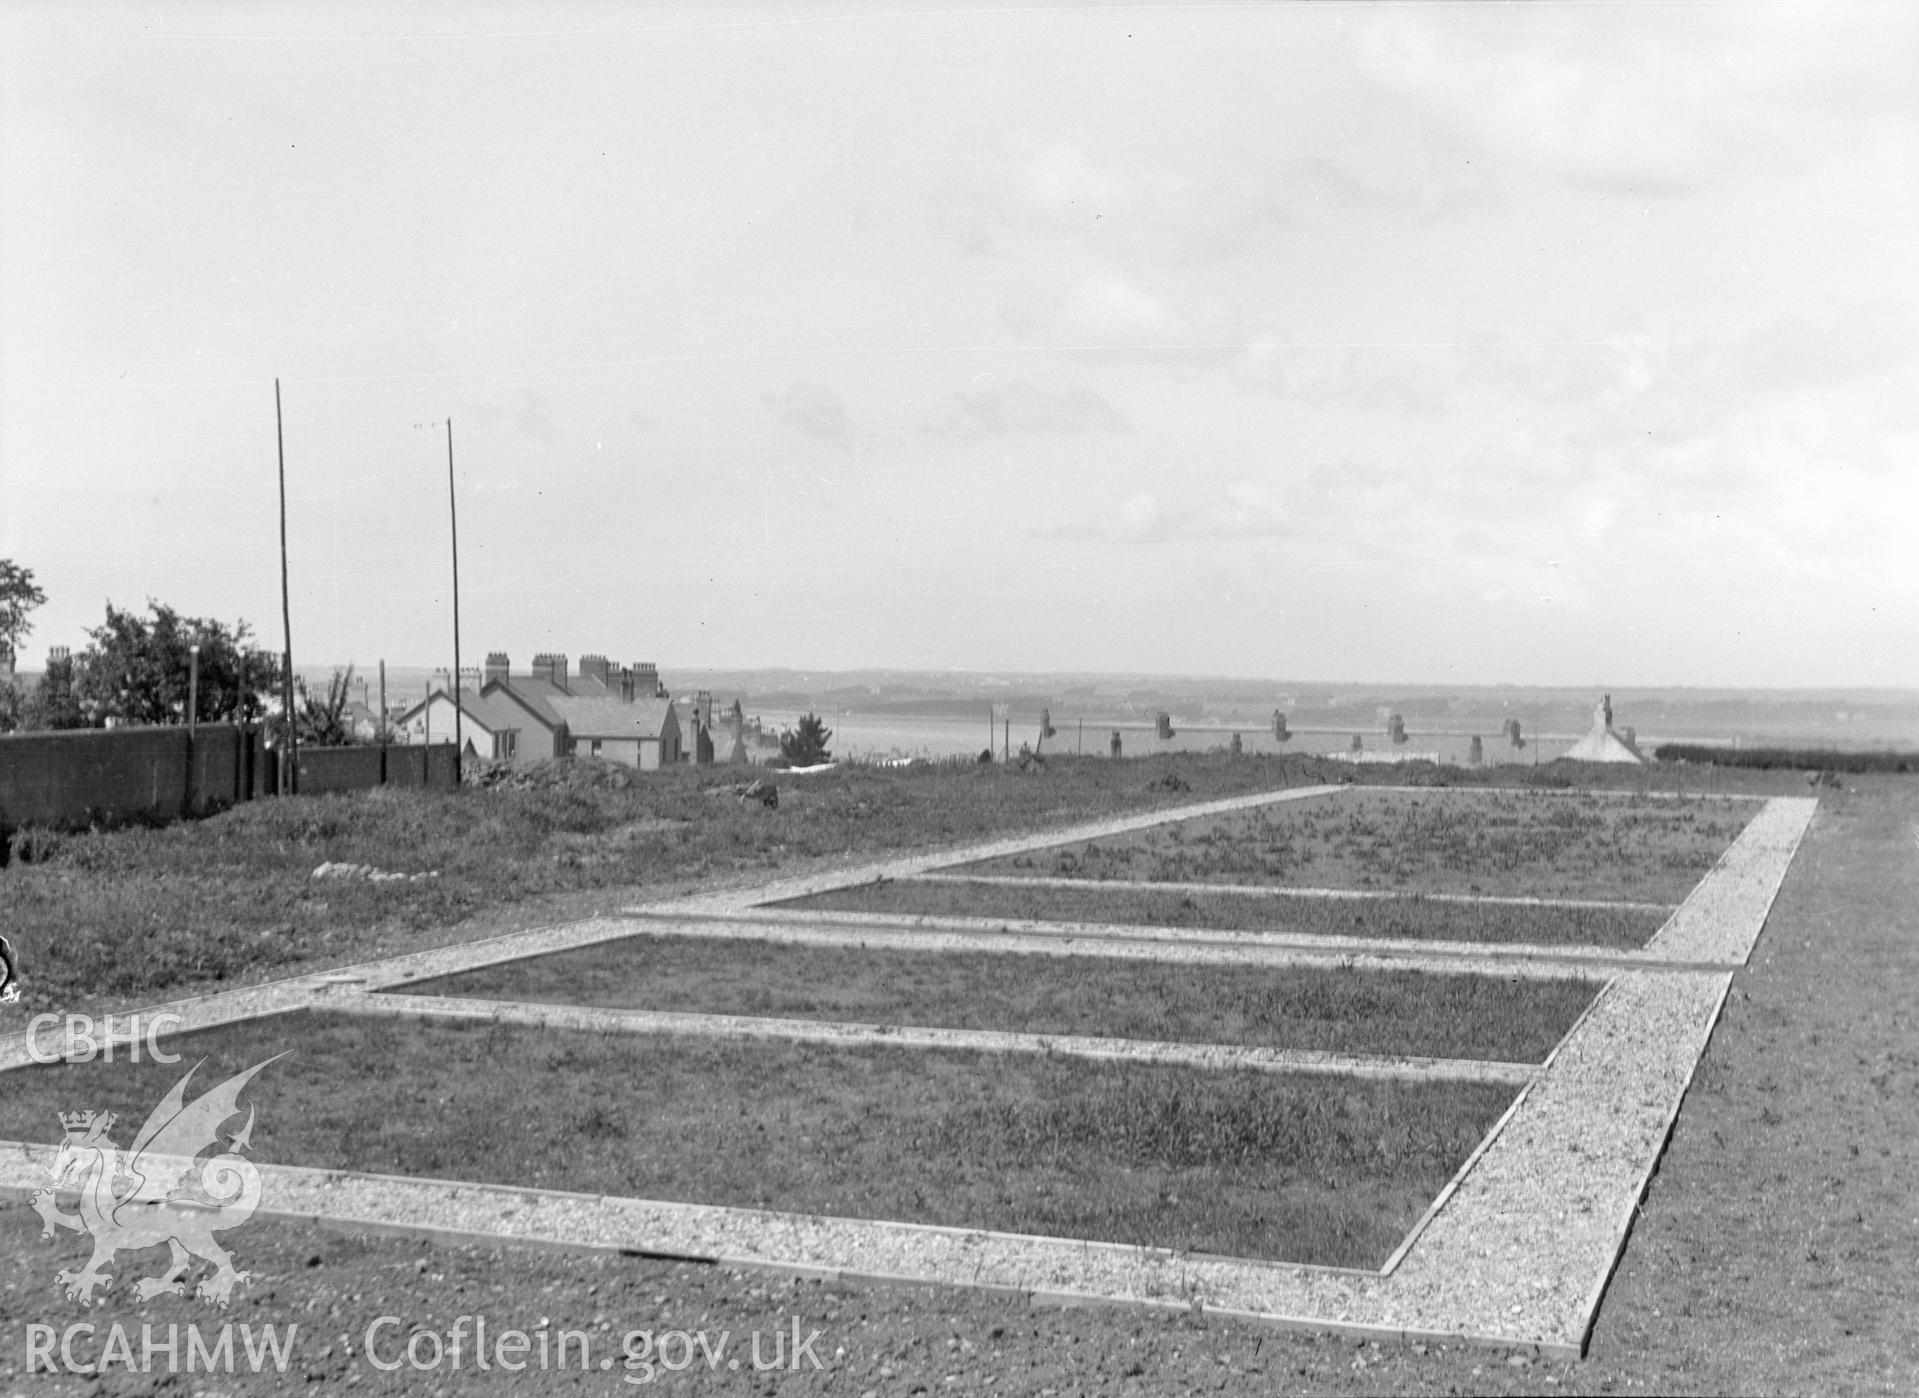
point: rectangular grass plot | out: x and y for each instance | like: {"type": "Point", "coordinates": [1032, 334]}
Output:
{"type": "Point", "coordinates": [1407, 1013]}
{"type": "Point", "coordinates": [1403, 918]}
{"type": "Point", "coordinates": [1508, 843]}
{"type": "Point", "coordinates": [1295, 1168]}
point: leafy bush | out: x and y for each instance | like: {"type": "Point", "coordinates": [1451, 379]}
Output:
{"type": "Point", "coordinates": [805, 746]}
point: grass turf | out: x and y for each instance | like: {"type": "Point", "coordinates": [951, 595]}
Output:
{"type": "Point", "coordinates": [1411, 918]}
{"type": "Point", "coordinates": [139, 913]}
{"type": "Point", "coordinates": [134, 915]}
{"type": "Point", "coordinates": [1556, 844]}
{"type": "Point", "coordinates": [1254, 1164]}
{"type": "Point", "coordinates": [1334, 1011]}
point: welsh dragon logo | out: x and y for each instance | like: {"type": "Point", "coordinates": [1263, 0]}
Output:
{"type": "Point", "coordinates": [158, 1191]}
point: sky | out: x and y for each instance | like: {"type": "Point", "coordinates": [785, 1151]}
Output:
{"type": "Point", "coordinates": [1565, 343]}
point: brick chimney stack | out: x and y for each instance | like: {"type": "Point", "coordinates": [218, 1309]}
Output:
{"type": "Point", "coordinates": [497, 666]}
{"type": "Point", "coordinates": [547, 666]}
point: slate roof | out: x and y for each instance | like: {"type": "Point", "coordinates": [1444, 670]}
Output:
{"type": "Point", "coordinates": [490, 715]}
{"type": "Point", "coordinates": [534, 696]}
{"type": "Point", "coordinates": [587, 717]}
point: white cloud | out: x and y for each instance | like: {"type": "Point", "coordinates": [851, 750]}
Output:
{"type": "Point", "coordinates": [1243, 511]}
{"type": "Point", "coordinates": [1659, 107]}
{"type": "Point", "coordinates": [812, 409]}
{"type": "Point", "coordinates": [1018, 407]}
{"type": "Point", "coordinates": [1105, 310]}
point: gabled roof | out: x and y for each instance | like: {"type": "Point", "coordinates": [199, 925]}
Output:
{"type": "Point", "coordinates": [613, 718]}
{"type": "Point", "coordinates": [491, 716]}
{"type": "Point", "coordinates": [1603, 745]}
{"type": "Point", "coordinates": [532, 696]}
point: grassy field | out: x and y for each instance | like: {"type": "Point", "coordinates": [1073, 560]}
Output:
{"type": "Point", "coordinates": [1412, 918]}
{"type": "Point", "coordinates": [1337, 1011]}
{"type": "Point", "coordinates": [1575, 845]}
{"type": "Point", "coordinates": [135, 915]}
{"type": "Point", "coordinates": [1775, 1251]}
{"type": "Point", "coordinates": [1295, 1167]}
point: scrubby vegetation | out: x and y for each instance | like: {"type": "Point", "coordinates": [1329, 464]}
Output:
{"type": "Point", "coordinates": [147, 911]}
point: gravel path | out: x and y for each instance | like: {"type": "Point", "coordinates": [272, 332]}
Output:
{"type": "Point", "coordinates": [907, 932]}
{"type": "Point", "coordinates": [1721, 920]}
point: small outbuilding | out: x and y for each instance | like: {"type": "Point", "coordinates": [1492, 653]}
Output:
{"type": "Point", "coordinates": [1603, 743]}
{"type": "Point", "coordinates": [643, 733]}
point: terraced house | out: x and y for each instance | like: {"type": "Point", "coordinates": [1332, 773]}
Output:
{"type": "Point", "coordinates": [621, 713]}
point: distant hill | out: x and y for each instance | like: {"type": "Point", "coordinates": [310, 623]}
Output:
{"type": "Point", "coordinates": [1841, 718]}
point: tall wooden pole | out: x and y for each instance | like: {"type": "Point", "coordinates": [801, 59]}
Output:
{"type": "Point", "coordinates": [290, 779]}
{"type": "Point", "coordinates": [383, 775]}
{"type": "Point", "coordinates": [453, 518]}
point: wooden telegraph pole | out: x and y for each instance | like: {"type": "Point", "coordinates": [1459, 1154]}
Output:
{"type": "Point", "coordinates": [290, 754]}
{"type": "Point", "coordinates": [453, 518]}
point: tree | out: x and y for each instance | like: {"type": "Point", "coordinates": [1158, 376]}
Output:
{"type": "Point", "coordinates": [323, 721]}
{"type": "Point", "coordinates": [18, 596]}
{"type": "Point", "coordinates": [54, 702]}
{"type": "Point", "coordinates": [137, 669]}
{"type": "Point", "coordinates": [806, 745]}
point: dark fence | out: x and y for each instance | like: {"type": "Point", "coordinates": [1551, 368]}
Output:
{"type": "Point", "coordinates": [338, 769]}
{"type": "Point", "coordinates": [112, 776]}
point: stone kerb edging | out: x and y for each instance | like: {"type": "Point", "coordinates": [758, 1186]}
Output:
{"type": "Point", "coordinates": [928, 933]}
{"type": "Point", "coordinates": [1722, 918]}
{"type": "Point", "coordinates": [1207, 947]}
{"type": "Point", "coordinates": [590, 1018]}
{"type": "Point", "coordinates": [1276, 890]}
